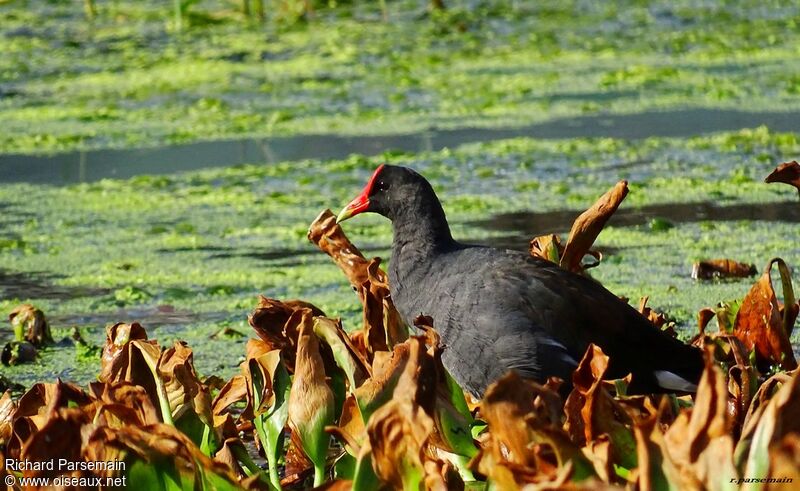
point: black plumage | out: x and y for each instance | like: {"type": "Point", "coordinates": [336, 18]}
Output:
{"type": "Point", "coordinates": [498, 310]}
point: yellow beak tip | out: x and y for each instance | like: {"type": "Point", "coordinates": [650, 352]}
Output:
{"type": "Point", "coordinates": [343, 215]}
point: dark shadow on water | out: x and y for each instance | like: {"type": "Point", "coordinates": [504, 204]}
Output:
{"type": "Point", "coordinates": [217, 250]}
{"type": "Point", "coordinates": [148, 316]}
{"type": "Point", "coordinates": [522, 226]}
{"type": "Point", "coordinates": [289, 258]}
{"type": "Point", "coordinates": [39, 285]}
{"type": "Point", "coordinates": [266, 255]}
{"type": "Point", "coordinates": [87, 166]}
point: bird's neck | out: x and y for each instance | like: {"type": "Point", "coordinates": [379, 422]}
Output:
{"type": "Point", "coordinates": [421, 229]}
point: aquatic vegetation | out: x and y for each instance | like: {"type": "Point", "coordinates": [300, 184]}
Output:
{"type": "Point", "coordinates": [185, 253]}
{"type": "Point", "coordinates": [400, 420]}
{"type": "Point", "coordinates": [492, 63]}
{"type": "Point", "coordinates": [561, 102]}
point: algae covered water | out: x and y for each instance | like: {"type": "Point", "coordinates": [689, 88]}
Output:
{"type": "Point", "coordinates": [170, 177]}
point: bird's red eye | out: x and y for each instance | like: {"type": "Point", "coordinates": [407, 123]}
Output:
{"type": "Point", "coordinates": [382, 186]}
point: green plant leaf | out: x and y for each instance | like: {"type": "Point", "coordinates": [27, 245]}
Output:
{"type": "Point", "coordinates": [311, 400]}
{"type": "Point", "coordinates": [270, 414]}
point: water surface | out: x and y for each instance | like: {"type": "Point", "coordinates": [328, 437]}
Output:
{"type": "Point", "coordinates": [93, 165]}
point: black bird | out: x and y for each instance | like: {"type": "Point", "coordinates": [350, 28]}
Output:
{"type": "Point", "coordinates": [498, 310]}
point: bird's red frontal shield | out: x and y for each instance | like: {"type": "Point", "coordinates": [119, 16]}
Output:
{"type": "Point", "coordinates": [360, 203]}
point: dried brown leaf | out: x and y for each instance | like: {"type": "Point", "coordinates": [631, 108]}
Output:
{"type": "Point", "coordinates": [760, 325]}
{"type": "Point", "coordinates": [311, 400]}
{"type": "Point", "coordinates": [351, 431]}
{"type": "Point", "coordinates": [383, 326]}
{"type": "Point", "coordinates": [277, 324]}
{"type": "Point", "coordinates": [525, 442]}
{"type": "Point", "coordinates": [331, 239]}
{"type": "Point", "coordinates": [118, 336]}
{"type": "Point", "coordinates": [787, 173]}
{"type": "Point", "coordinates": [442, 476]}
{"type": "Point", "coordinates": [183, 387]}
{"type": "Point", "coordinates": [126, 403]}
{"type": "Point", "coordinates": [386, 371]}
{"type": "Point", "coordinates": [699, 441]}
{"type": "Point", "coordinates": [121, 361]}
{"type": "Point", "coordinates": [297, 467]}
{"type": "Point", "coordinates": [722, 268]}
{"type": "Point", "coordinates": [157, 443]}
{"type": "Point", "coordinates": [42, 401]}
{"type": "Point", "coordinates": [266, 364]}
{"type": "Point", "coordinates": [547, 247]}
{"type": "Point", "coordinates": [233, 391]}
{"type": "Point", "coordinates": [7, 410]}
{"type": "Point", "coordinates": [774, 416]}
{"type": "Point", "coordinates": [784, 458]}
{"type": "Point", "coordinates": [590, 409]}
{"type": "Point", "coordinates": [399, 430]}
{"type": "Point", "coordinates": [226, 455]}
{"type": "Point", "coordinates": [658, 319]}
{"type": "Point", "coordinates": [255, 348]}
{"type": "Point", "coordinates": [765, 392]}
{"type": "Point", "coordinates": [32, 323]}
{"type": "Point", "coordinates": [61, 437]}
{"type": "Point", "coordinates": [704, 316]}
{"type": "Point", "coordinates": [589, 224]}
{"type": "Point", "coordinates": [655, 464]}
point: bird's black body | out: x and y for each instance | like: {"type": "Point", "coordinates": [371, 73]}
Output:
{"type": "Point", "coordinates": [498, 310]}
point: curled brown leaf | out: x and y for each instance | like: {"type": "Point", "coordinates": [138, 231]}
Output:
{"type": "Point", "coordinates": [311, 400]}
{"type": "Point", "coordinates": [699, 441]}
{"type": "Point", "coordinates": [32, 323]}
{"type": "Point", "coordinates": [722, 268]}
{"type": "Point", "coordinates": [128, 403]}
{"type": "Point", "coordinates": [7, 410]}
{"type": "Point", "coordinates": [704, 316]}
{"type": "Point", "coordinates": [386, 371]}
{"type": "Point", "coordinates": [159, 443]}
{"type": "Point", "coordinates": [383, 326]}
{"type": "Point", "coordinates": [233, 391]}
{"type": "Point", "coordinates": [658, 319]}
{"type": "Point", "coordinates": [547, 247]}
{"type": "Point", "coordinates": [118, 361]}
{"type": "Point", "coordinates": [762, 325]}
{"type": "Point", "coordinates": [787, 173]}
{"type": "Point", "coordinates": [183, 387]}
{"type": "Point", "coordinates": [525, 443]}
{"type": "Point", "coordinates": [589, 224]}
{"type": "Point", "coordinates": [399, 430]}
{"type": "Point", "coordinates": [784, 458]}
{"type": "Point", "coordinates": [331, 239]}
{"type": "Point", "coordinates": [61, 437]}
{"type": "Point", "coordinates": [655, 465]}
{"type": "Point", "coordinates": [774, 415]}
{"type": "Point", "coordinates": [590, 409]}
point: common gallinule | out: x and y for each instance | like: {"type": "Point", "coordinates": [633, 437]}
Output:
{"type": "Point", "coordinates": [498, 310]}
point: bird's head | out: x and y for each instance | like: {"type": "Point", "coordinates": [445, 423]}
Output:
{"type": "Point", "coordinates": [390, 189]}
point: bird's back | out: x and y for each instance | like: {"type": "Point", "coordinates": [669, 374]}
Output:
{"type": "Point", "coordinates": [499, 310]}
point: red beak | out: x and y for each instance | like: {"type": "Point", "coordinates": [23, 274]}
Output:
{"type": "Point", "coordinates": [360, 203]}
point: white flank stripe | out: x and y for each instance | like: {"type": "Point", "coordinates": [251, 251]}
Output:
{"type": "Point", "coordinates": [671, 381]}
